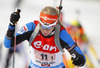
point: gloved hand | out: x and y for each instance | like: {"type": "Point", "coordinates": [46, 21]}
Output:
{"type": "Point", "coordinates": [78, 61]}
{"type": "Point", "coordinates": [15, 17]}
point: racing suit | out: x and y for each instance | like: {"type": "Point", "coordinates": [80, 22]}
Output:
{"type": "Point", "coordinates": [43, 50]}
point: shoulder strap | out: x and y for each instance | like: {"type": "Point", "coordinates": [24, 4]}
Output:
{"type": "Point", "coordinates": [57, 37]}
{"type": "Point", "coordinates": [34, 34]}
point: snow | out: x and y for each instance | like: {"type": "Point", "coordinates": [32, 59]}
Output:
{"type": "Point", "coordinates": [30, 10]}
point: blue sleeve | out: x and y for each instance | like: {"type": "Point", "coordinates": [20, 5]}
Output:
{"type": "Point", "coordinates": [67, 39]}
{"type": "Point", "coordinates": [7, 42]}
{"type": "Point", "coordinates": [26, 28]}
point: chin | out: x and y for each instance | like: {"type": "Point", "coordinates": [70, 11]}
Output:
{"type": "Point", "coordinates": [45, 34]}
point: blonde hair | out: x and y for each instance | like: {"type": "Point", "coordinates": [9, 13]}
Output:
{"type": "Point", "coordinates": [50, 10]}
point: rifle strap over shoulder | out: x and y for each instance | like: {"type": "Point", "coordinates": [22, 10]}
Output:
{"type": "Point", "coordinates": [57, 37]}
{"type": "Point", "coordinates": [34, 34]}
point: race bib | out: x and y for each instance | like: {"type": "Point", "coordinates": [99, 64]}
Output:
{"type": "Point", "coordinates": [44, 56]}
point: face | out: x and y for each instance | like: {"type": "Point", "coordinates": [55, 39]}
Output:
{"type": "Point", "coordinates": [46, 32]}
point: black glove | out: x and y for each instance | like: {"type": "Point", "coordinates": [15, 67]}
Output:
{"type": "Point", "coordinates": [15, 17]}
{"type": "Point", "coordinates": [78, 61]}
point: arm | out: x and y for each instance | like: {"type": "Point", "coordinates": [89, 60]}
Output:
{"type": "Point", "coordinates": [23, 34]}
{"type": "Point", "coordinates": [13, 21]}
{"type": "Point", "coordinates": [67, 42]}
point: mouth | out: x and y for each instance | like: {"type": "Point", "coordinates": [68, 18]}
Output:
{"type": "Point", "coordinates": [45, 34]}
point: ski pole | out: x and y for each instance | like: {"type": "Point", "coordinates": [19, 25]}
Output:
{"type": "Point", "coordinates": [18, 11]}
{"type": "Point", "coordinates": [60, 8]}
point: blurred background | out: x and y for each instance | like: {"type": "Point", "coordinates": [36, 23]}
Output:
{"type": "Point", "coordinates": [83, 12]}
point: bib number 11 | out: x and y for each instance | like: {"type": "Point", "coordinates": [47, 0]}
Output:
{"type": "Point", "coordinates": [44, 56]}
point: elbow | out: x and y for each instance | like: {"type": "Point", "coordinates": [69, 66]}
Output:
{"type": "Point", "coordinates": [7, 43]}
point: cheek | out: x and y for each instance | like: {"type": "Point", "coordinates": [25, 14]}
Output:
{"type": "Point", "coordinates": [49, 31]}
{"type": "Point", "coordinates": [42, 31]}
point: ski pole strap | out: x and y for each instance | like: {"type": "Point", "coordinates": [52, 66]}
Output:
{"type": "Point", "coordinates": [34, 34]}
{"type": "Point", "coordinates": [57, 37]}
{"type": "Point", "coordinates": [72, 47]}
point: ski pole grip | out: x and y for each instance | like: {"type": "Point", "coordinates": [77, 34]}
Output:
{"type": "Point", "coordinates": [60, 7]}
{"type": "Point", "coordinates": [18, 11]}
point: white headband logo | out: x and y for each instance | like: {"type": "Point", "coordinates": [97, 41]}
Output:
{"type": "Point", "coordinates": [45, 18]}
